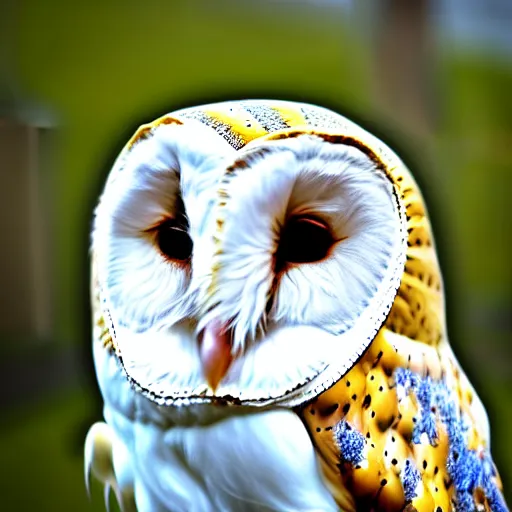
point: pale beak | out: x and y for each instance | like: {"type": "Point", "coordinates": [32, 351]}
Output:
{"type": "Point", "coordinates": [215, 352]}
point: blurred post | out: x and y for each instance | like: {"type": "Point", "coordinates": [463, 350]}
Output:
{"type": "Point", "coordinates": [25, 285]}
{"type": "Point", "coordinates": [403, 64]}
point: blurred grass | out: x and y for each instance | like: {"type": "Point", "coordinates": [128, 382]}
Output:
{"type": "Point", "coordinates": [474, 150]}
{"type": "Point", "coordinates": [105, 68]}
{"type": "Point", "coordinates": [42, 456]}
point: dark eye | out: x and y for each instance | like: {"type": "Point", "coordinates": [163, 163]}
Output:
{"type": "Point", "coordinates": [304, 240]}
{"type": "Point", "coordinates": [174, 241]}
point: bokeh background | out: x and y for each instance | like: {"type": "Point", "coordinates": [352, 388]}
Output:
{"type": "Point", "coordinates": [433, 78]}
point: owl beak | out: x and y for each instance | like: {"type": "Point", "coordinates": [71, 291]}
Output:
{"type": "Point", "coordinates": [215, 352]}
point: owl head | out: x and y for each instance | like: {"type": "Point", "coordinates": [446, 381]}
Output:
{"type": "Point", "coordinates": [249, 252]}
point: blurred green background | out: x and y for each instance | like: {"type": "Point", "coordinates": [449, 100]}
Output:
{"type": "Point", "coordinates": [431, 78]}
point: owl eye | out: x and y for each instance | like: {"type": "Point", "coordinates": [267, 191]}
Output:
{"type": "Point", "coordinates": [174, 241]}
{"type": "Point", "coordinates": [304, 240]}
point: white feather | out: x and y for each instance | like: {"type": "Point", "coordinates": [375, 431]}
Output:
{"type": "Point", "coordinates": [139, 284]}
{"type": "Point", "coordinates": [207, 458]}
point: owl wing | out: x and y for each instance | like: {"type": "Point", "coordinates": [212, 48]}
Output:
{"type": "Point", "coordinates": [402, 428]}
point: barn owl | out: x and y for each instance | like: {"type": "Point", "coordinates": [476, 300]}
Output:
{"type": "Point", "coordinates": [269, 329]}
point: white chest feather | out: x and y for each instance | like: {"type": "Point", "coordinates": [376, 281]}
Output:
{"type": "Point", "coordinates": [258, 461]}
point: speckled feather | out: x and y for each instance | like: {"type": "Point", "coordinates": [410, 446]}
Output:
{"type": "Point", "coordinates": [403, 429]}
